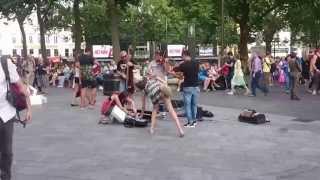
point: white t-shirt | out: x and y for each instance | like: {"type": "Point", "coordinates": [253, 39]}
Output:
{"type": "Point", "coordinates": [7, 112]}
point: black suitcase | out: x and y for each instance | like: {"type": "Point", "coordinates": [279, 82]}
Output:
{"type": "Point", "coordinates": [130, 122]}
{"type": "Point", "coordinates": [252, 117]}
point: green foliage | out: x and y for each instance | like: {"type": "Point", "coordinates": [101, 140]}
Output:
{"type": "Point", "coordinates": [304, 21]}
{"type": "Point", "coordinates": [13, 9]}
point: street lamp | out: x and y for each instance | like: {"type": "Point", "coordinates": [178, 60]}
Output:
{"type": "Point", "coordinates": [191, 37]}
{"type": "Point", "coordinates": [275, 40]}
{"type": "Point", "coordinates": [222, 32]}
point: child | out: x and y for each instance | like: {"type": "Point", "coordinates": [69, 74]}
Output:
{"type": "Point", "coordinates": [157, 90]}
{"type": "Point", "coordinates": [238, 79]}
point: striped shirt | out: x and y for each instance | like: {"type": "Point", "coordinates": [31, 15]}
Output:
{"type": "Point", "coordinates": [153, 90]}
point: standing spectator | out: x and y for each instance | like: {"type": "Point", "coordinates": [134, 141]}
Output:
{"type": "Point", "coordinates": [285, 67]}
{"type": "Point", "coordinates": [88, 82]}
{"type": "Point", "coordinates": [315, 69]}
{"type": "Point", "coordinates": [42, 76]}
{"type": "Point", "coordinates": [96, 71]}
{"type": "Point", "coordinates": [67, 74]}
{"type": "Point", "coordinates": [294, 74]}
{"type": "Point", "coordinates": [130, 69]}
{"type": "Point", "coordinates": [7, 117]}
{"type": "Point", "coordinates": [29, 68]}
{"type": "Point", "coordinates": [190, 70]}
{"type": "Point", "coordinates": [158, 68]}
{"type": "Point", "coordinates": [230, 63]}
{"type": "Point", "coordinates": [122, 70]}
{"type": "Point", "coordinates": [267, 62]}
{"type": "Point", "coordinates": [76, 84]}
{"type": "Point", "coordinates": [238, 79]}
{"type": "Point", "coordinates": [256, 75]}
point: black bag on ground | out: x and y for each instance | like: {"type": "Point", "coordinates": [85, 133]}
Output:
{"type": "Point", "coordinates": [199, 113]}
{"type": "Point", "coordinates": [252, 117]}
{"type": "Point", "coordinates": [130, 122]}
{"type": "Point", "coordinates": [177, 103]}
{"type": "Point", "coordinates": [146, 115]}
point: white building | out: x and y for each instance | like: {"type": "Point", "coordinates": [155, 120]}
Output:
{"type": "Point", "coordinates": [58, 42]}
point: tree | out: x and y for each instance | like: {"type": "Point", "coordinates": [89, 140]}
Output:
{"type": "Point", "coordinates": [77, 29]}
{"type": "Point", "coordinates": [272, 23]}
{"type": "Point", "coordinates": [19, 10]}
{"type": "Point", "coordinates": [47, 19]}
{"type": "Point", "coordinates": [95, 22]}
{"type": "Point", "coordinates": [249, 14]}
{"type": "Point", "coordinates": [113, 9]}
{"type": "Point", "coordinates": [304, 21]}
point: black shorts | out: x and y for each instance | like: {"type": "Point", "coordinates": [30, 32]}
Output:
{"type": "Point", "coordinates": [77, 80]}
{"type": "Point", "coordinates": [91, 84]}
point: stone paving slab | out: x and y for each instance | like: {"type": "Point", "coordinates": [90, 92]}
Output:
{"type": "Point", "coordinates": [65, 143]}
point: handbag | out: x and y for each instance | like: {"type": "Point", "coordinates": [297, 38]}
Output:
{"type": "Point", "coordinates": [14, 95]}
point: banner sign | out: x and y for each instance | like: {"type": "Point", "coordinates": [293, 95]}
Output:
{"type": "Point", "coordinates": [175, 50]}
{"type": "Point", "coordinates": [102, 51]}
{"type": "Point", "coordinates": [205, 51]}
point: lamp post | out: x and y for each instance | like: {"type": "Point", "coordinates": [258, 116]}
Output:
{"type": "Point", "coordinates": [222, 32]}
{"type": "Point", "coordinates": [191, 37]}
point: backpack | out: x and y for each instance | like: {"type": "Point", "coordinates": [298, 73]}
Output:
{"type": "Point", "coordinates": [252, 117]}
{"type": "Point", "coordinates": [14, 96]}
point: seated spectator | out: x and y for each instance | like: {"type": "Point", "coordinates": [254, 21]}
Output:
{"type": "Point", "coordinates": [213, 74]}
{"type": "Point", "coordinates": [204, 77]}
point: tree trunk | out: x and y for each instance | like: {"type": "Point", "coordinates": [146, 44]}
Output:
{"type": "Point", "coordinates": [244, 36]}
{"type": "Point", "coordinates": [115, 20]}
{"type": "Point", "coordinates": [42, 33]}
{"type": "Point", "coordinates": [268, 46]}
{"type": "Point", "coordinates": [24, 39]}
{"type": "Point", "coordinates": [77, 30]}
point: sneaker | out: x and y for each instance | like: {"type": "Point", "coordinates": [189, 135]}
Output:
{"type": "Point", "coordinates": [314, 93]}
{"type": "Point", "coordinates": [194, 123]}
{"type": "Point", "coordinates": [186, 125]}
{"type": "Point", "coordinates": [251, 95]}
{"type": "Point", "coordinates": [230, 93]}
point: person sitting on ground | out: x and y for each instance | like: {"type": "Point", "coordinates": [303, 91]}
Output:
{"type": "Point", "coordinates": [123, 100]}
{"type": "Point", "coordinates": [238, 79]}
{"type": "Point", "coordinates": [157, 90]}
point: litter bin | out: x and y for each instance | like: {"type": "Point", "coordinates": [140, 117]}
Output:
{"type": "Point", "coordinates": [110, 84]}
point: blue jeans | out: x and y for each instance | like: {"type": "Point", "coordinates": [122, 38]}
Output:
{"type": "Point", "coordinates": [190, 95]}
{"type": "Point", "coordinates": [287, 86]}
{"type": "Point", "coordinates": [255, 83]}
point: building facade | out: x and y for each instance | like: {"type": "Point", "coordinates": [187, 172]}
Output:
{"type": "Point", "coordinates": [58, 42]}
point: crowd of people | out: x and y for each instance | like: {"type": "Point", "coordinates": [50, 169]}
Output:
{"type": "Point", "coordinates": [85, 75]}
{"type": "Point", "coordinates": [265, 71]}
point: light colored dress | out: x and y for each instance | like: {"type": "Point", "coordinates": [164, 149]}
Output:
{"type": "Point", "coordinates": [238, 77]}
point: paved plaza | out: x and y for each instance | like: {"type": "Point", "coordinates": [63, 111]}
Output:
{"type": "Point", "coordinates": [65, 143]}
